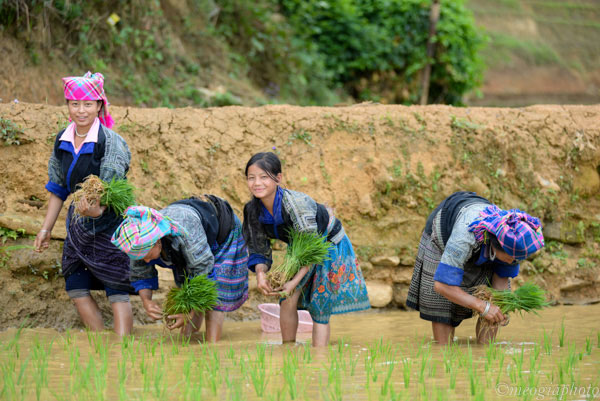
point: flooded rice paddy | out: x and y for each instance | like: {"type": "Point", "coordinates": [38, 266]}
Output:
{"type": "Point", "coordinates": [372, 356]}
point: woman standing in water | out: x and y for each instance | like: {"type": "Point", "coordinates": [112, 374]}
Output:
{"type": "Point", "coordinates": [336, 286]}
{"type": "Point", "coordinates": [467, 241]}
{"type": "Point", "coordinates": [191, 236]}
{"type": "Point", "coordinates": [90, 261]}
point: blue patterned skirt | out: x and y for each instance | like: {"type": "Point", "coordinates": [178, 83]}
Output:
{"type": "Point", "coordinates": [231, 271]}
{"type": "Point", "coordinates": [336, 286]}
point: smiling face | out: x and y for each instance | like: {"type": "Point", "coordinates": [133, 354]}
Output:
{"type": "Point", "coordinates": [83, 113]}
{"type": "Point", "coordinates": [261, 184]}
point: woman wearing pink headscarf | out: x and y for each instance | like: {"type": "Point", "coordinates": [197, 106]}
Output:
{"type": "Point", "coordinates": [90, 261]}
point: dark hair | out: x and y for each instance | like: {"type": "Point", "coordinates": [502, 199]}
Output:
{"type": "Point", "coordinates": [270, 163]}
{"type": "Point", "coordinates": [267, 161]}
{"type": "Point", "coordinates": [493, 241]}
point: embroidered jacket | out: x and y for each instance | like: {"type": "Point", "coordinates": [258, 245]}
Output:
{"type": "Point", "coordinates": [462, 250]}
{"type": "Point", "coordinates": [192, 253]}
{"type": "Point", "coordinates": [296, 210]}
{"type": "Point", "coordinates": [107, 158]}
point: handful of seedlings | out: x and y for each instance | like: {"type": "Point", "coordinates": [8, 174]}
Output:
{"type": "Point", "coordinates": [197, 294]}
{"type": "Point", "coordinates": [527, 298]}
{"type": "Point", "coordinates": [304, 249]}
{"type": "Point", "coordinates": [118, 194]}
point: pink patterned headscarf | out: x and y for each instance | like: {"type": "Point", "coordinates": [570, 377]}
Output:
{"type": "Point", "coordinates": [519, 234]}
{"type": "Point", "coordinates": [89, 87]}
{"type": "Point", "coordinates": [140, 230]}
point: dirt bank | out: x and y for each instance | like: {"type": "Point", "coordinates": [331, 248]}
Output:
{"type": "Point", "coordinates": [382, 168]}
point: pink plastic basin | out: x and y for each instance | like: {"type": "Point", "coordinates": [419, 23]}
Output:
{"type": "Point", "coordinates": [269, 319]}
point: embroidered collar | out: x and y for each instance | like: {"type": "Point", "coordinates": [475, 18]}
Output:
{"type": "Point", "coordinates": [276, 218]}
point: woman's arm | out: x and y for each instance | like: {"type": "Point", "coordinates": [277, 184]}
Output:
{"type": "Point", "coordinates": [261, 279]}
{"type": "Point", "coordinates": [288, 288]}
{"type": "Point", "coordinates": [151, 307]}
{"type": "Point", "coordinates": [42, 239]}
{"type": "Point", "coordinates": [457, 295]}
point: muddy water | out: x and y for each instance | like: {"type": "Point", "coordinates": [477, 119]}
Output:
{"type": "Point", "coordinates": [373, 356]}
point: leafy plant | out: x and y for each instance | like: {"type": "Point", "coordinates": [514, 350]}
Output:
{"type": "Point", "coordinates": [304, 249]}
{"type": "Point", "coordinates": [527, 298]}
{"type": "Point", "coordinates": [197, 294]}
{"type": "Point", "coordinates": [10, 132]}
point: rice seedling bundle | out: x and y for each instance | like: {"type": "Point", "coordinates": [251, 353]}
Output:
{"type": "Point", "coordinates": [118, 194]}
{"type": "Point", "coordinates": [304, 249]}
{"type": "Point", "coordinates": [527, 298]}
{"type": "Point", "coordinates": [197, 294]}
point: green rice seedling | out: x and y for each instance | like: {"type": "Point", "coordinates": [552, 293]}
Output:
{"type": "Point", "coordinates": [500, 366]}
{"type": "Point", "coordinates": [73, 359]}
{"type": "Point", "coordinates": [527, 298]}
{"type": "Point", "coordinates": [98, 379]}
{"type": "Point", "coordinates": [588, 346]}
{"type": "Point", "coordinates": [440, 393]}
{"type": "Point", "coordinates": [406, 368]}
{"type": "Point", "coordinates": [159, 387]}
{"type": "Point", "coordinates": [491, 352]}
{"type": "Point", "coordinates": [304, 249]}
{"type": "Point", "coordinates": [512, 373]}
{"type": "Point", "coordinates": [13, 344]}
{"type": "Point", "coordinates": [258, 370]}
{"type": "Point", "coordinates": [290, 367]}
{"type": "Point", "coordinates": [307, 353]}
{"type": "Point", "coordinates": [117, 194]}
{"type": "Point", "coordinates": [334, 382]}
{"type": "Point", "coordinates": [432, 368]}
{"type": "Point", "coordinates": [230, 354]}
{"type": "Point", "coordinates": [122, 372]}
{"type": "Point", "coordinates": [212, 368]}
{"type": "Point", "coordinates": [536, 351]}
{"type": "Point", "coordinates": [9, 387]}
{"type": "Point", "coordinates": [197, 294]}
{"type": "Point", "coordinates": [24, 388]}
{"type": "Point", "coordinates": [67, 339]}
{"type": "Point", "coordinates": [235, 391]}
{"type": "Point", "coordinates": [353, 362]}
{"type": "Point", "coordinates": [385, 386]}
{"type": "Point", "coordinates": [518, 358]}
{"type": "Point", "coordinates": [573, 357]}
{"type": "Point", "coordinates": [40, 358]}
{"type": "Point", "coordinates": [561, 334]}
{"type": "Point", "coordinates": [473, 382]}
{"type": "Point", "coordinates": [533, 370]}
{"type": "Point", "coordinates": [424, 361]}
{"type": "Point", "coordinates": [547, 343]}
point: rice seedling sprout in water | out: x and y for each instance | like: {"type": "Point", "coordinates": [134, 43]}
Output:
{"type": "Point", "coordinates": [588, 346]}
{"type": "Point", "coordinates": [304, 249]}
{"type": "Point", "coordinates": [258, 370]}
{"type": "Point", "coordinates": [547, 343]}
{"type": "Point", "coordinates": [561, 334]}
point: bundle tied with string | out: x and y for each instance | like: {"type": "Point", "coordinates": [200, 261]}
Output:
{"type": "Point", "coordinates": [304, 249]}
{"type": "Point", "coordinates": [118, 194]}
{"type": "Point", "coordinates": [527, 298]}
